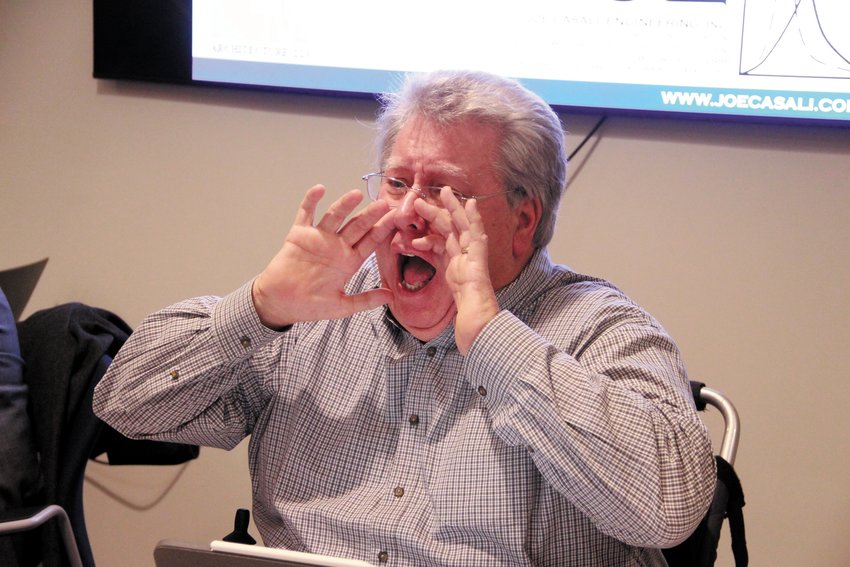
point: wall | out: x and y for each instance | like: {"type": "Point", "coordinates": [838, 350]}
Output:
{"type": "Point", "coordinates": [734, 235]}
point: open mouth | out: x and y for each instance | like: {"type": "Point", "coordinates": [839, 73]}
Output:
{"type": "Point", "coordinates": [415, 272]}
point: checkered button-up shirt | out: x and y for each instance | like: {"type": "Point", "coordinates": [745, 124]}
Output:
{"type": "Point", "coordinates": [566, 436]}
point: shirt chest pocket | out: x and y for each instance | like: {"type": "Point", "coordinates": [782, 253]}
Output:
{"type": "Point", "coordinates": [479, 485]}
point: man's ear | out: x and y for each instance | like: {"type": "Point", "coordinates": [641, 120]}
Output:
{"type": "Point", "coordinates": [527, 213]}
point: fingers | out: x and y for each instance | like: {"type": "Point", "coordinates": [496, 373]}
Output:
{"type": "Point", "coordinates": [366, 300]}
{"type": "Point", "coordinates": [459, 226]}
{"type": "Point", "coordinates": [360, 224]}
{"type": "Point", "coordinates": [373, 227]}
{"type": "Point", "coordinates": [339, 210]}
{"type": "Point", "coordinates": [476, 224]}
{"type": "Point", "coordinates": [307, 209]}
{"type": "Point", "coordinates": [362, 232]}
{"type": "Point", "coordinates": [430, 243]}
{"type": "Point", "coordinates": [439, 219]}
{"type": "Point", "coordinates": [457, 211]}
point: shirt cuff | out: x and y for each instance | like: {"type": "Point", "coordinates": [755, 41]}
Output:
{"type": "Point", "coordinates": [505, 351]}
{"type": "Point", "coordinates": [237, 325]}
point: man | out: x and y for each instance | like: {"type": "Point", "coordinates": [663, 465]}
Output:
{"type": "Point", "coordinates": [422, 386]}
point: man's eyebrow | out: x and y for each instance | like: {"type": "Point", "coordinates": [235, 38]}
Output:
{"type": "Point", "coordinates": [434, 170]}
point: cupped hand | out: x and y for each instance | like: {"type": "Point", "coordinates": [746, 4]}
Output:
{"type": "Point", "coordinates": [305, 281]}
{"type": "Point", "coordinates": [458, 237]}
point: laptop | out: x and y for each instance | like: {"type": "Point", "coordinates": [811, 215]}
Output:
{"type": "Point", "coordinates": [173, 553]}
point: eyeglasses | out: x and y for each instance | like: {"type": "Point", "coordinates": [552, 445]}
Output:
{"type": "Point", "coordinates": [392, 190]}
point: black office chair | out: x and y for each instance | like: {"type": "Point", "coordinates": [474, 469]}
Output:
{"type": "Point", "coordinates": [66, 350]}
{"type": "Point", "coordinates": [29, 519]}
{"type": "Point", "coordinates": [700, 549]}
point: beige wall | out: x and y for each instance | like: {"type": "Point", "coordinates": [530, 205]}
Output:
{"type": "Point", "coordinates": [735, 236]}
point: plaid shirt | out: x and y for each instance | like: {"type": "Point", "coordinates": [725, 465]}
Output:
{"type": "Point", "coordinates": [566, 437]}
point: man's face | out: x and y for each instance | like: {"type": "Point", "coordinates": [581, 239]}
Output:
{"type": "Point", "coordinates": [461, 156]}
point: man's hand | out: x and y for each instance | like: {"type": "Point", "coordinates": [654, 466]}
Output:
{"type": "Point", "coordinates": [461, 239]}
{"type": "Point", "coordinates": [305, 280]}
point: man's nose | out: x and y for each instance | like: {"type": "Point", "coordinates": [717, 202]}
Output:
{"type": "Point", "coordinates": [407, 217]}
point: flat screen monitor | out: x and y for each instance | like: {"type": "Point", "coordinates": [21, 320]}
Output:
{"type": "Point", "coordinates": [774, 60]}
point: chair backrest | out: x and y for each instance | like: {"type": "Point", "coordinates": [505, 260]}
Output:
{"type": "Point", "coordinates": [705, 396]}
{"type": "Point", "coordinates": [700, 549]}
{"type": "Point", "coordinates": [27, 519]}
{"type": "Point", "coordinates": [67, 350]}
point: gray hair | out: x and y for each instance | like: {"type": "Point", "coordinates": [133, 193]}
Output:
{"type": "Point", "coordinates": [532, 152]}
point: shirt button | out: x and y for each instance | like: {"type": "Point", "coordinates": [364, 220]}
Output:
{"type": "Point", "coordinates": [482, 391]}
{"type": "Point", "coordinates": [383, 556]}
{"type": "Point", "coordinates": [245, 342]}
{"type": "Point", "coordinates": [413, 419]}
{"type": "Point", "coordinates": [398, 491]}
{"type": "Point", "coordinates": [174, 375]}
{"type": "Point", "coordinates": [431, 351]}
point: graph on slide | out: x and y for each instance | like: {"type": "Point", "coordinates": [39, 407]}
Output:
{"type": "Point", "coordinates": [749, 58]}
{"type": "Point", "coordinates": [796, 38]}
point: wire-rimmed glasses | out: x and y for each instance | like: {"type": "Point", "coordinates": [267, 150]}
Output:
{"type": "Point", "coordinates": [393, 190]}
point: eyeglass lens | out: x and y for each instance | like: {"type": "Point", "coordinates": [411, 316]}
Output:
{"type": "Point", "coordinates": [393, 190]}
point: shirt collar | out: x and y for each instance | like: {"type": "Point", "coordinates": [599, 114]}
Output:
{"type": "Point", "coordinates": [519, 295]}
